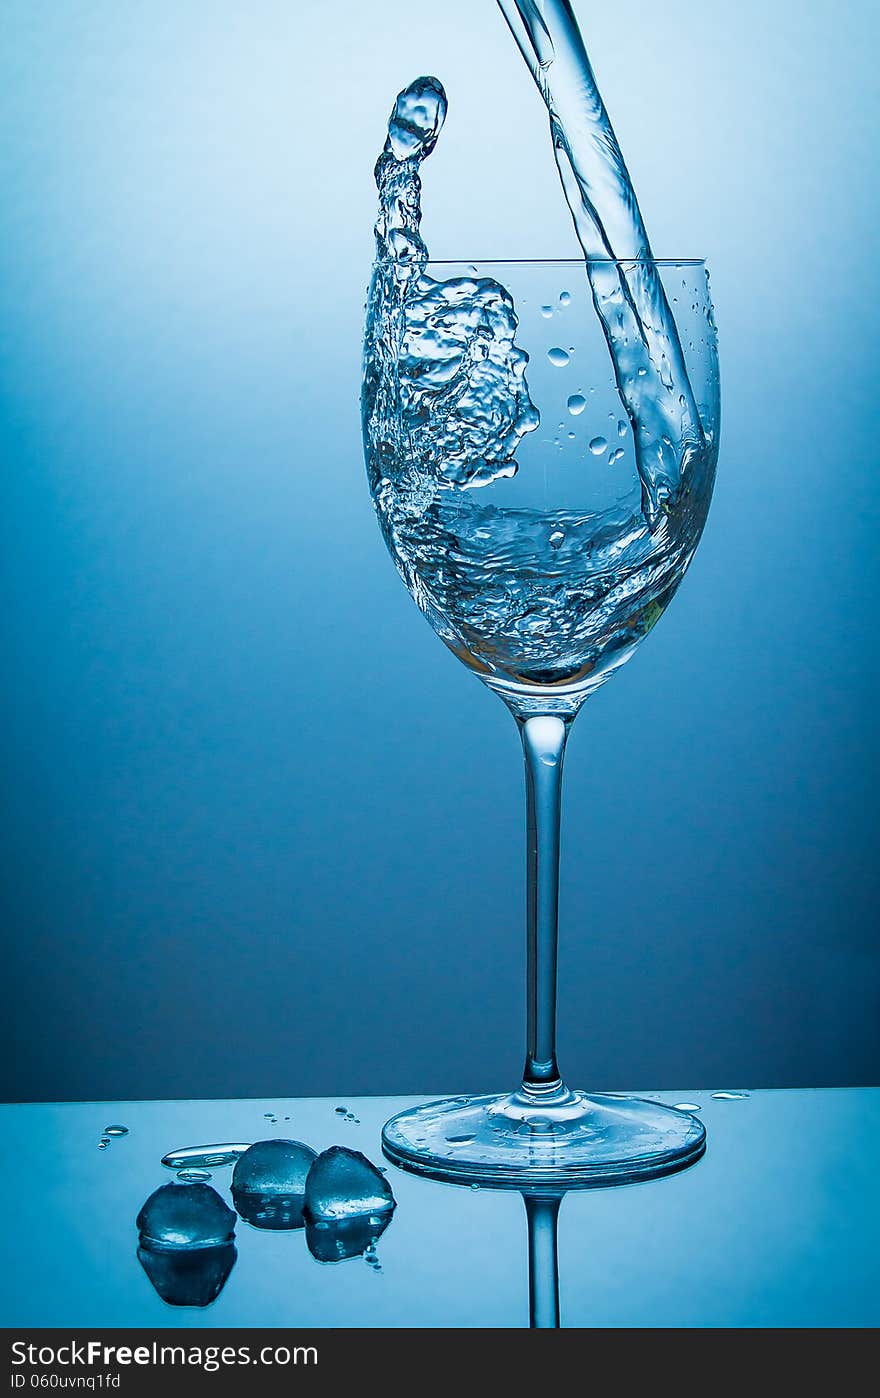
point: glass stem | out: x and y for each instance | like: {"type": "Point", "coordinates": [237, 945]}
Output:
{"type": "Point", "coordinates": [543, 740]}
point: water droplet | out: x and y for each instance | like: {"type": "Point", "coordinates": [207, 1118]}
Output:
{"type": "Point", "coordinates": [460, 1140]}
{"type": "Point", "coordinates": [115, 1130]}
{"type": "Point", "coordinates": [572, 436]}
{"type": "Point", "coordinates": [558, 356]}
{"type": "Point", "coordinates": [565, 298]}
{"type": "Point", "coordinates": [687, 1106]}
{"type": "Point", "coordinates": [642, 372]}
{"type": "Point", "coordinates": [616, 456]}
{"type": "Point", "coordinates": [598, 445]}
{"type": "Point", "coordinates": [200, 1157]}
{"type": "Point", "coordinates": [730, 1096]}
{"type": "Point", "coordinates": [622, 428]}
{"type": "Point", "coordinates": [546, 312]}
{"type": "Point", "coordinates": [268, 1115]}
{"type": "Point", "coordinates": [557, 538]}
{"type": "Point", "coordinates": [475, 1186]}
{"type": "Point", "coordinates": [341, 1111]}
{"type": "Point", "coordinates": [194, 1176]}
{"type": "Point", "coordinates": [576, 404]}
{"type": "Point", "coordinates": [103, 1143]}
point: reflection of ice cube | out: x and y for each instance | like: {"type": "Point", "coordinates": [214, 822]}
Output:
{"type": "Point", "coordinates": [273, 1167]}
{"type": "Point", "coordinates": [351, 1237]}
{"type": "Point", "coordinates": [185, 1216]}
{"type": "Point", "coordinates": [188, 1276]}
{"type": "Point", "coordinates": [343, 1185]}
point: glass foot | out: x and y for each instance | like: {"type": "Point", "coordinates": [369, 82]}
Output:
{"type": "Point", "coordinates": [580, 1142]}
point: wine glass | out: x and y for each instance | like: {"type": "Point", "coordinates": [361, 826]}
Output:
{"type": "Point", "coordinates": [503, 470]}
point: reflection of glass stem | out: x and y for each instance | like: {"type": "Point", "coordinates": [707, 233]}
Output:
{"type": "Point", "coordinates": [542, 1212]}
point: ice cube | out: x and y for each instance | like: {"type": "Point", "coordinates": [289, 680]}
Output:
{"type": "Point", "coordinates": [342, 1184]}
{"type": "Point", "coordinates": [185, 1216]}
{"type": "Point", "coordinates": [273, 1167]}
{"type": "Point", "coordinates": [188, 1276]}
{"type": "Point", "coordinates": [269, 1184]}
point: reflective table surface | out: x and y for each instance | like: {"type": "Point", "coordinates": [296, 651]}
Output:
{"type": "Point", "coordinates": [778, 1225]}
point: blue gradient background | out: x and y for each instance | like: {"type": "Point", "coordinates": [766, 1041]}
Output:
{"type": "Point", "coordinates": [264, 833]}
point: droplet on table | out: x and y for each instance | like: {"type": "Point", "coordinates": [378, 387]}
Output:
{"type": "Point", "coordinates": [115, 1130]}
{"type": "Point", "coordinates": [730, 1096]}
{"type": "Point", "coordinates": [205, 1157]}
{"type": "Point", "coordinates": [687, 1106]}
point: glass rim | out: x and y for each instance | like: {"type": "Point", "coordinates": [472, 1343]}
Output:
{"type": "Point", "coordinates": [542, 261]}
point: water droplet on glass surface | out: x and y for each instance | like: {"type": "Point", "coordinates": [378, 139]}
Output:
{"type": "Point", "coordinates": [194, 1176]}
{"type": "Point", "coordinates": [546, 312]}
{"type": "Point", "coordinates": [103, 1143]}
{"type": "Point", "coordinates": [557, 538]}
{"type": "Point", "coordinates": [687, 1106]}
{"type": "Point", "coordinates": [622, 428]}
{"type": "Point", "coordinates": [730, 1096]}
{"type": "Point", "coordinates": [576, 404]}
{"type": "Point", "coordinates": [205, 1157]}
{"type": "Point", "coordinates": [460, 1140]}
{"type": "Point", "coordinates": [598, 446]}
{"type": "Point", "coordinates": [115, 1130]}
{"type": "Point", "coordinates": [341, 1111]}
{"type": "Point", "coordinates": [616, 455]}
{"type": "Point", "coordinates": [565, 298]}
{"type": "Point", "coordinates": [559, 357]}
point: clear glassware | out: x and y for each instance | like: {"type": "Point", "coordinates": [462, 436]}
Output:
{"type": "Point", "coordinates": [543, 581]}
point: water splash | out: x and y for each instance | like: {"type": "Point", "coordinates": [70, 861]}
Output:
{"type": "Point", "coordinates": [628, 295]}
{"type": "Point", "coordinates": [524, 597]}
